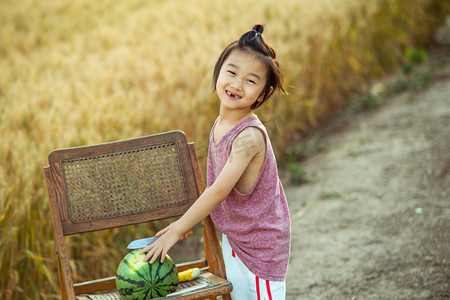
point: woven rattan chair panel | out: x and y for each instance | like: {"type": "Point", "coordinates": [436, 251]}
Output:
{"type": "Point", "coordinates": [124, 182]}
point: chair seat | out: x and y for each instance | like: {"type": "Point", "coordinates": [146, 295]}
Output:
{"type": "Point", "coordinates": [213, 285]}
{"type": "Point", "coordinates": [108, 296]}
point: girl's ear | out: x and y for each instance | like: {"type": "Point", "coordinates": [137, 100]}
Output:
{"type": "Point", "coordinates": [260, 99]}
{"type": "Point", "coordinates": [270, 92]}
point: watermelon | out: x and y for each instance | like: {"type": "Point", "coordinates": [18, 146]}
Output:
{"type": "Point", "coordinates": [138, 280]}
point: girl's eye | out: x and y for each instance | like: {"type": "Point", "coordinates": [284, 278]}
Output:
{"type": "Point", "coordinates": [231, 73]}
{"type": "Point", "coordinates": [251, 81]}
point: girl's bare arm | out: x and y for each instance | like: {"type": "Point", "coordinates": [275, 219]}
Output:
{"type": "Point", "coordinates": [245, 147]}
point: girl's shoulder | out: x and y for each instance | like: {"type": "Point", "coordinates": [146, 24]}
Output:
{"type": "Point", "coordinates": [250, 133]}
{"type": "Point", "coordinates": [250, 140]}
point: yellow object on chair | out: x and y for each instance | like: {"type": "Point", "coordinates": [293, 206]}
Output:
{"type": "Point", "coordinates": [189, 274]}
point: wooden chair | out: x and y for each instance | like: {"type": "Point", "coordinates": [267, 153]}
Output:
{"type": "Point", "coordinates": [127, 182]}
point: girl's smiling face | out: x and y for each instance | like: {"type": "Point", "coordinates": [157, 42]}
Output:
{"type": "Point", "coordinates": [241, 80]}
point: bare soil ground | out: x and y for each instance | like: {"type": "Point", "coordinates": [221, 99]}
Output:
{"type": "Point", "coordinates": [374, 222]}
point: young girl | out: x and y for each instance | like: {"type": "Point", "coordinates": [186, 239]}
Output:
{"type": "Point", "coordinates": [244, 195]}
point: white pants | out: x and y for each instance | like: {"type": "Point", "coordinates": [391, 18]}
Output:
{"type": "Point", "coordinates": [246, 285]}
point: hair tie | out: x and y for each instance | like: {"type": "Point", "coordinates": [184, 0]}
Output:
{"type": "Point", "coordinates": [257, 32]}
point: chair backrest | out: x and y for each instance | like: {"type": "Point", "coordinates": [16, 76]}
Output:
{"type": "Point", "coordinates": [122, 183]}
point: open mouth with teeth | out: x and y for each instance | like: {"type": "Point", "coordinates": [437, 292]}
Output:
{"type": "Point", "coordinates": [233, 96]}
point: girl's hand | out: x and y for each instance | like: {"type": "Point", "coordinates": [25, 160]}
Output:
{"type": "Point", "coordinates": [169, 236]}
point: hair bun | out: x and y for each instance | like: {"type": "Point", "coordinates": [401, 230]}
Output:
{"type": "Point", "coordinates": [258, 28]}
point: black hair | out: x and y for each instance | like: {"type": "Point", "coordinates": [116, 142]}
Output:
{"type": "Point", "coordinates": [253, 42]}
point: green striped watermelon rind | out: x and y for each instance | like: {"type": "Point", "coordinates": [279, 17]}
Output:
{"type": "Point", "coordinates": [138, 280]}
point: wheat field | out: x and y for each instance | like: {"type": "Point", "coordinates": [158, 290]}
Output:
{"type": "Point", "coordinates": [82, 72]}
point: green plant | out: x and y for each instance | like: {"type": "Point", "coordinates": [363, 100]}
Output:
{"type": "Point", "coordinates": [420, 81]}
{"type": "Point", "coordinates": [368, 102]}
{"type": "Point", "coordinates": [413, 58]}
{"type": "Point", "coordinates": [296, 151]}
{"type": "Point", "coordinates": [297, 174]}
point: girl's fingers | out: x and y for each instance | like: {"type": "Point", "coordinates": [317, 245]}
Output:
{"type": "Point", "coordinates": [157, 253]}
{"type": "Point", "coordinates": [153, 258]}
{"type": "Point", "coordinates": [146, 249]}
{"type": "Point", "coordinates": [162, 245]}
{"type": "Point", "coordinates": [149, 255]}
{"type": "Point", "coordinates": [153, 255]}
{"type": "Point", "coordinates": [162, 231]}
{"type": "Point", "coordinates": [151, 250]}
{"type": "Point", "coordinates": [163, 255]}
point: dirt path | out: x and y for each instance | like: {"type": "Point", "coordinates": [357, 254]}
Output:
{"type": "Point", "coordinates": [376, 224]}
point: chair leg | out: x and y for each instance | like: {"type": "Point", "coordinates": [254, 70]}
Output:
{"type": "Point", "coordinates": [64, 294]}
{"type": "Point", "coordinates": [213, 253]}
{"type": "Point", "coordinates": [226, 297]}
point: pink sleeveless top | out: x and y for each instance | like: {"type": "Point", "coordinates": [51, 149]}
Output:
{"type": "Point", "coordinates": [257, 224]}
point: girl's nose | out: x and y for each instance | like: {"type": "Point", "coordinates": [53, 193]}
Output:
{"type": "Point", "coordinates": [236, 83]}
